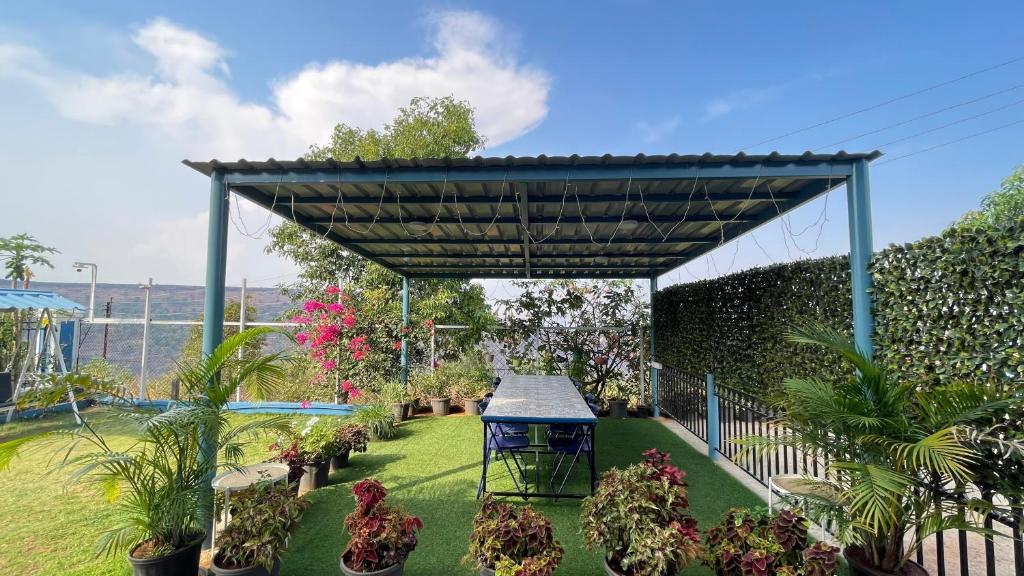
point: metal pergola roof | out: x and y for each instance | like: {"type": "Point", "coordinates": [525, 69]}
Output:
{"type": "Point", "coordinates": [536, 217]}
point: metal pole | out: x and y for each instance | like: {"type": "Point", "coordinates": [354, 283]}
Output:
{"type": "Point", "coordinates": [405, 335]}
{"type": "Point", "coordinates": [213, 317]}
{"type": "Point", "coordinates": [858, 194]}
{"type": "Point", "coordinates": [433, 348]}
{"type": "Point", "coordinates": [712, 400]}
{"type": "Point", "coordinates": [242, 309]}
{"type": "Point", "coordinates": [145, 338]}
{"type": "Point", "coordinates": [106, 327]}
{"type": "Point", "coordinates": [654, 371]}
{"type": "Point", "coordinates": [640, 366]}
{"type": "Point", "coordinates": [337, 358]}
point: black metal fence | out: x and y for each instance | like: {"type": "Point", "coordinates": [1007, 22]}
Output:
{"type": "Point", "coordinates": [682, 396]}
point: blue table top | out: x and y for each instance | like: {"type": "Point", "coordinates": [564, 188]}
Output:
{"type": "Point", "coordinates": [538, 399]}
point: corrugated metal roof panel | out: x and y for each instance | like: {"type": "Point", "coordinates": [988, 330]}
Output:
{"type": "Point", "coordinates": [12, 299]}
{"type": "Point", "coordinates": [206, 167]}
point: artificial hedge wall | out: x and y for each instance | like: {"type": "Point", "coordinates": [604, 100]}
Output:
{"type": "Point", "coordinates": [947, 307]}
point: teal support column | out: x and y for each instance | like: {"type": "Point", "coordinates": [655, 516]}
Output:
{"type": "Point", "coordinates": [405, 335]}
{"type": "Point", "coordinates": [713, 429]}
{"type": "Point", "coordinates": [213, 312]}
{"type": "Point", "coordinates": [654, 371]}
{"type": "Point", "coordinates": [858, 196]}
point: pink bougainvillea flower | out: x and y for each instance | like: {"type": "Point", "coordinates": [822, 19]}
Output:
{"type": "Point", "coordinates": [300, 319]}
{"type": "Point", "coordinates": [354, 393]}
{"type": "Point", "coordinates": [302, 338]}
{"type": "Point", "coordinates": [313, 306]}
{"type": "Point", "coordinates": [349, 321]}
{"type": "Point", "coordinates": [335, 308]}
{"type": "Point", "coordinates": [347, 386]}
{"type": "Point", "coordinates": [429, 323]}
{"type": "Point", "coordinates": [329, 365]}
{"type": "Point", "coordinates": [332, 290]}
{"type": "Point", "coordinates": [437, 363]}
{"type": "Point", "coordinates": [305, 404]}
{"type": "Point", "coordinates": [397, 345]}
{"type": "Point", "coordinates": [358, 355]}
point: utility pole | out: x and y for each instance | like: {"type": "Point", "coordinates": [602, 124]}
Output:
{"type": "Point", "coordinates": [145, 338]}
{"type": "Point", "coordinates": [106, 327]}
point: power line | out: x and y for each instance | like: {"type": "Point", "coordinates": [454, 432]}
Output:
{"type": "Point", "coordinates": [958, 140]}
{"type": "Point", "coordinates": [922, 116]}
{"type": "Point", "coordinates": [948, 124]}
{"type": "Point", "coordinates": [886, 102]}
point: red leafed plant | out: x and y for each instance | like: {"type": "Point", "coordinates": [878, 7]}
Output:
{"type": "Point", "coordinates": [513, 540]}
{"type": "Point", "coordinates": [381, 536]}
{"type": "Point", "coordinates": [290, 454]}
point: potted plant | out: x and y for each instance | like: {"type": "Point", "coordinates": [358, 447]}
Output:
{"type": "Point", "coordinates": [617, 407]}
{"type": "Point", "coordinates": [261, 520]}
{"type": "Point", "coordinates": [378, 418]}
{"type": "Point", "coordinates": [317, 443]}
{"type": "Point", "coordinates": [394, 392]}
{"type": "Point", "coordinates": [161, 482]}
{"type": "Point", "coordinates": [757, 543]}
{"type": "Point", "coordinates": [512, 540]}
{"type": "Point", "coordinates": [288, 452]}
{"type": "Point", "coordinates": [640, 517]}
{"type": "Point", "coordinates": [348, 438]}
{"type": "Point", "coordinates": [436, 386]}
{"type": "Point", "coordinates": [381, 537]}
{"type": "Point", "coordinates": [892, 449]}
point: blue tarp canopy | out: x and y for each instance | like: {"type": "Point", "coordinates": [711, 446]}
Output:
{"type": "Point", "coordinates": [12, 299]}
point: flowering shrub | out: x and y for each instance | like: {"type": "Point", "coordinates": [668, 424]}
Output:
{"type": "Point", "coordinates": [329, 331]}
{"type": "Point", "coordinates": [512, 541]}
{"type": "Point", "coordinates": [640, 517]}
{"type": "Point", "coordinates": [761, 544]}
{"type": "Point", "coordinates": [381, 536]}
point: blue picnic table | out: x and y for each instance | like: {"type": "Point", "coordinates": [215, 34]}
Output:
{"type": "Point", "coordinates": [541, 401]}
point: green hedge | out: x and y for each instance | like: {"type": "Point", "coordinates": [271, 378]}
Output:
{"type": "Point", "coordinates": [946, 307]}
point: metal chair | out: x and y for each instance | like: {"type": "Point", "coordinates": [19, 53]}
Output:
{"type": "Point", "coordinates": [506, 446]}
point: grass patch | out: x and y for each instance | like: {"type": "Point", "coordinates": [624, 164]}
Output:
{"type": "Point", "coordinates": [431, 468]}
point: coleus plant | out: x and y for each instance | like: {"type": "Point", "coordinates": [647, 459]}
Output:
{"type": "Point", "coordinates": [352, 437]}
{"type": "Point", "coordinates": [517, 541]}
{"type": "Point", "coordinates": [757, 543]}
{"type": "Point", "coordinates": [330, 332]}
{"type": "Point", "coordinates": [380, 536]}
{"type": "Point", "coordinates": [640, 517]}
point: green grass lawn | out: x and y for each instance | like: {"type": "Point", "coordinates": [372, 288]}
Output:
{"type": "Point", "coordinates": [431, 469]}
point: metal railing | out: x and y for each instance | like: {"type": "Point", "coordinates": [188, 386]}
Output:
{"type": "Point", "coordinates": [733, 414]}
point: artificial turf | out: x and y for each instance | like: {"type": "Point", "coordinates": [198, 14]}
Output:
{"type": "Point", "coordinates": [431, 469]}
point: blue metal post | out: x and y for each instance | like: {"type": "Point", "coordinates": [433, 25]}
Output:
{"type": "Point", "coordinates": [405, 336]}
{"type": "Point", "coordinates": [712, 400]}
{"type": "Point", "coordinates": [654, 371]}
{"type": "Point", "coordinates": [858, 195]}
{"type": "Point", "coordinates": [213, 307]}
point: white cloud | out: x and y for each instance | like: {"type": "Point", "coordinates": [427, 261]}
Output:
{"type": "Point", "coordinates": [654, 132]}
{"type": "Point", "coordinates": [188, 97]}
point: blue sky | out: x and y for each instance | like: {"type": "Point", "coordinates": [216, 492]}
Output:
{"type": "Point", "coordinates": [99, 105]}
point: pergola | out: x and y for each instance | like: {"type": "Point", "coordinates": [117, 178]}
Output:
{"type": "Point", "coordinates": [538, 217]}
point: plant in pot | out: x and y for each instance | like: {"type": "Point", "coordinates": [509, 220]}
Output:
{"type": "Point", "coordinates": [161, 481]}
{"type": "Point", "coordinates": [349, 438]}
{"type": "Point", "coordinates": [640, 517]}
{"type": "Point", "coordinates": [757, 543]}
{"type": "Point", "coordinates": [378, 418]}
{"type": "Point", "coordinates": [436, 386]}
{"type": "Point", "coordinates": [511, 540]}
{"type": "Point", "coordinates": [381, 537]}
{"type": "Point", "coordinates": [394, 392]}
{"type": "Point", "coordinates": [317, 443]}
{"type": "Point", "coordinates": [892, 449]}
{"type": "Point", "coordinates": [261, 520]}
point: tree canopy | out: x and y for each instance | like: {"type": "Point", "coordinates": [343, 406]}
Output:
{"type": "Point", "coordinates": [427, 127]}
{"type": "Point", "coordinates": [19, 253]}
{"type": "Point", "coordinates": [1001, 207]}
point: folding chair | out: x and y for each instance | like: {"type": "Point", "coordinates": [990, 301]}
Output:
{"type": "Point", "coordinates": [577, 444]}
{"type": "Point", "coordinates": [506, 446]}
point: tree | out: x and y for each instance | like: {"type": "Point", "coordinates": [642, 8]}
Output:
{"type": "Point", "coordinates": [427, 127]}
{"type": "Point", "coordinates": [596, 357]}
{"type": "Point", "coordinates": [1004, 206]}
{"type": "Point", "coordinates": [21, 251]}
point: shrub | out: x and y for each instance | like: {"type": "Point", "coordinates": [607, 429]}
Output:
{"type": "Point", "coordinates": [518, 541]}
{"type": "Point", "coordinates": [261, 519]}
{"type": "Point", "coordinates": [379, 419]}
{"type": "Point", "coordinates": [757, 543]}
{"type": "Point", "coordinates": [381, 536]}
{"type": "Point", "coordinates": [639, 516]}
{"type": "Point", "coordinates": [288, 452]}
{"type": "Point", "coordinates": [352, 438]}
{"type": "Point", "coordinates": [317, 439]}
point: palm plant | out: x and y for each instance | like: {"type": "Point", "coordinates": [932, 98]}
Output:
{"type": "Point", "coordinates": [893, 451]}
{"type": "Point", "coordinates": [162, 479]}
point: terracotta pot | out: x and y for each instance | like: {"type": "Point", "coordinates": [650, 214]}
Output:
{"type": "Point", "coordinates": [339, 461]}
{"type": "Point", "coordinates": [396, 570]}
{"type": "Point", "coordinates": [248, 571]}
{"type": "Point", "coordinates": [857, 560]}
{"type": "Point", "coordinates": [472, 407]}
{"type": "Point", "coordinates": [316, 476]}
{"type": "Point", "coordinates": [617, 408]}
{"type": "Point", "coordinates": [399, 410]}
{"type": "Point", "coordinates": [181, 561]}
{"type": "Point", "coordinates": [440, 406]}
